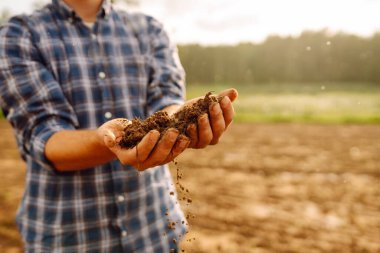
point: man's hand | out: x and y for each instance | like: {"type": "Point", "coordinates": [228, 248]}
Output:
{"type": "Point", "coordinates": [151, 150]}
{"type": "Point", "coordinates": [154, 150]}
{"type": "Point", "coordinates": [209, 129]}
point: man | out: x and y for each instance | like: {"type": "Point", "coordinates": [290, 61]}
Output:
{"type": "Point", "coordinates": [67, 69]}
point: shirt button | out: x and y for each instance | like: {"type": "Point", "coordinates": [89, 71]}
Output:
{"type": "Point", "coordinates": [71, 20]}
{"type": "Point", "coordinates": [93, 36]}
{"type": "Point", "coordinates": [124, 233]}
{"type": "Point", "coordinates": [120, 198]}
{"type": "Point", "coordinates": [108, 115]}
{"type": "Point", "coordinates": [102, 75]}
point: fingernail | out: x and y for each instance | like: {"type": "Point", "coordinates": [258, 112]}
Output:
{"type": "Point", "coordinates": [109, 142]}
{"type": "Point", "coordinates": [154, 132]}
{"type": "Point", "coordinates": [184, 143]}
{"type": "Point", "coordinates": [191, 127]}
{"type": "Point", "coordinates": [204, 117]}
{"type": "Point", "coordinates": [215, 108]}
{"type": "Point", "coordinates": [225, 101]}
{"type": "Point", "coordinates": [183, 138]}
{"type": "Point", "coordinates": [173, 130]}
{"type": "Point", "coordinates": [173, 134]}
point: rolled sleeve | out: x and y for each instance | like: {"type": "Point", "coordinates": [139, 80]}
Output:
{"type": "Point", "coordinates": [31, 98]}
{"type": "Point", "coordinates": [41, 134]}
{"type": "Point", "coordinates": [167, 76]}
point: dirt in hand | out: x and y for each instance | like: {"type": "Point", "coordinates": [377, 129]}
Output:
{"type": "Point", "coordinates": [161, 121]}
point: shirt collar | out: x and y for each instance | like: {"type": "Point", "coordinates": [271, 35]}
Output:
{"type": "Point", "coordinates": [67, 12]}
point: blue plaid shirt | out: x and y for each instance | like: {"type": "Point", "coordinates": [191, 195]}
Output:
{"type": "Point", "coordinates": [56, 73]}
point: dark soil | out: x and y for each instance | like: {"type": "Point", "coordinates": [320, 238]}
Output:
{"type": "Point", "coordinates": [161, 121]}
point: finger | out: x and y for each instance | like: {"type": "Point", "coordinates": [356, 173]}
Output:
{"type": "Point", "coordinates": [112, 131]}
{"type": "Point", "coordinates": [129, 156]}
{"type": "Point", "coordinates": [181, 144]}
{"type": "Point", "coordinates": [119, 135]}
{"type": "Point", "coordinates": [228, 110]}
{"type": "Point", "coordinates": [232, 94]}
{"type": "Point", "coordinates": [217, 122]}
{"type": "Point", "coordinates": [146, 145]}
{"type": "Point", "coordinates": [192, 132]}
{"type": "Point", "coordinates": [162, 149]}
{"type": "Point", "coordinates": [204, 131]}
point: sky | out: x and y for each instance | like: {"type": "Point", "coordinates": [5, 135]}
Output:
{"type": "Point", "coordinates": [234, 21]}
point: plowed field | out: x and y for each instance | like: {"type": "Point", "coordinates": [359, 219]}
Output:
{"type": "Point", "coordinates": [264, 188]}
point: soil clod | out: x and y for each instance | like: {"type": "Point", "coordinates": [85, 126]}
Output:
{"type": "Point", "coordinates": [161, 121]}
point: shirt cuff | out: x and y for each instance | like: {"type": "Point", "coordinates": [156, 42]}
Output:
{"type": "Point", "coordinates": [165, 101]}
{"type": "Point", "coordinates": [41, 135]}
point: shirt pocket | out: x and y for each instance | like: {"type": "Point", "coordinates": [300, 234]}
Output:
{"type": "Point", "coordinates": [129, 85]}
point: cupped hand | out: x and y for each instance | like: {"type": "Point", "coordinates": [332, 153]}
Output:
{"type": "Point", "coordinates": [151, 151]}
{"type": "Point", "coordinates": [209, 129]}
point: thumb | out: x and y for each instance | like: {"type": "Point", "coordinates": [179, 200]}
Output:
{"type": "Point", "coordinates": [109, 139]}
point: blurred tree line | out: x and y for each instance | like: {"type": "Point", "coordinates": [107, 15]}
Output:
{"type": "Point", "coordinates": [314, 56]}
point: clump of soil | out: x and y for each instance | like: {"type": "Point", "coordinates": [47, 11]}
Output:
{"type": "Point", "coordinates": [161, 121]}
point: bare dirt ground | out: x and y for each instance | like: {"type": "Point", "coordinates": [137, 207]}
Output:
{"type": "Point", "coordinates": [265, 188]}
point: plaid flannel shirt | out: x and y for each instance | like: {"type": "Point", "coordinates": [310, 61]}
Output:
{"type": "Point", "coordinates": [56, 73]}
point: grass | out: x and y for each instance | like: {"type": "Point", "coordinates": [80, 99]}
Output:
{"type": "Point", "coordinates": [326, 103]}
{"type": "Point", "coordinates": [303, 103]}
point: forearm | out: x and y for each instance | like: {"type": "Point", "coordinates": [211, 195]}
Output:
{"type": "Point", "coordinates": [71, 150]}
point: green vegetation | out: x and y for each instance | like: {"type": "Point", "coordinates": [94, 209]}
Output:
{"type": "Point", "coordinates": [317, 77]}
{"type": "Point", "coordinates": [311, 57]}
{"type": "Point", "coordinates": [303, 103]}
{"type": "Point", "coordinates": [343, 103]}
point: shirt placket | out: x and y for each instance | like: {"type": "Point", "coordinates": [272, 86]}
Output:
{"type": "Point", "coordinates": [101, 73]}
{"type": "Point", "coordinates": [102, 79]}
{"type": "Point", "coordinates": [121, 199]}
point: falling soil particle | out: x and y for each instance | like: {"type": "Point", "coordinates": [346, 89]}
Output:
{"type": "Point", "coordinates": [171, 225]}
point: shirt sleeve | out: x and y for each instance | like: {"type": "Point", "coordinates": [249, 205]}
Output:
{"type": "Point", "coordinates": [30, 97]}
{"type": "Point", "coordinates": [166, 74]}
